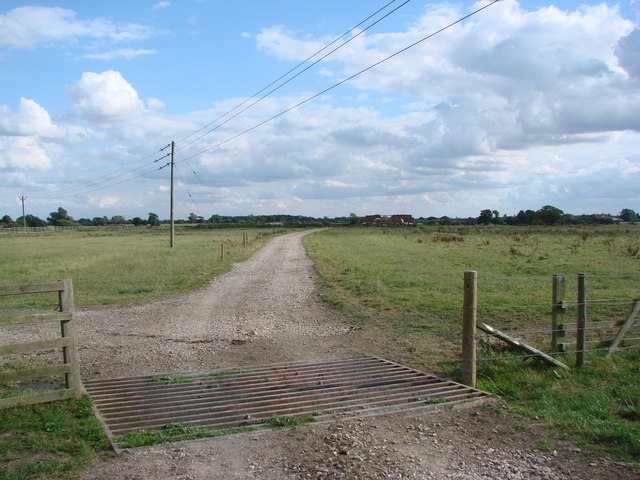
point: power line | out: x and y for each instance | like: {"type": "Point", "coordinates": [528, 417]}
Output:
{"type": "Point", "coordinates": [107, 177]}
{"type": "Point", "coordinates": [284, 75]}
{"type": "Point", "coordinates": [293, 77]}
{"type": "Point", "coordinates": [107, 180]}
{"type": "Point", "coordinates": [370, 67]}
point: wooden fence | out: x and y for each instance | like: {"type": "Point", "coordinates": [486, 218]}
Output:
{"type": "Point", "coordinates": [69, 367]}
{"type": "Point", "coordinates": [567, 336]}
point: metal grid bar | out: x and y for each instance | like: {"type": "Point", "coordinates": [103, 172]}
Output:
{"type": "Point", "coordinates": [326, 389]}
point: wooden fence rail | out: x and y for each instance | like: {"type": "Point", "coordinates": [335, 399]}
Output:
{"type": "Point", "coordinates": [70, 366]}
{"type": "Point", "coordinates": [560, 328]}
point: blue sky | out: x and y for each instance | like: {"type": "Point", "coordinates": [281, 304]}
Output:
{"type": "Point", "coordinates": [522, 105]}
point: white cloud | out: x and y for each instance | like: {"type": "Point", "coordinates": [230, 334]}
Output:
{"type": "Point", "coordinates": [127, 53]}
{"type": "Point", "coordinates": [107, 202]}
{"type": "Point", "coordinates": [29, 119]}
{"type": "Point", "coordinates": [511, 110]}
{"type": "Point", "coordinates": [280, 43]}
{"type": "Point", "coordinates": [105, 96]}
{"type": "Point", "coordinates": [539, 76]}
{"type": "Point", "coordinates": [30, 25]}
{"type": "Point", "coordinates": [161, 5]}
{"type": "Point", "coordinates": [23, 153]}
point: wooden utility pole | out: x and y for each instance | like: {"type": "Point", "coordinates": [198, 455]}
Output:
{"type": "Point", "coordinates": [24, 219]}
{"type": "Point", "coordinates": [172, 234]}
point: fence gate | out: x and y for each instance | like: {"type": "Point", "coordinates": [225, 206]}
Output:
{"type": "Point", "coordinates": [69, 367]}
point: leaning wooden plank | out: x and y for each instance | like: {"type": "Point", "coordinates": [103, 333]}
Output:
{"type": "Point", "coordinates": [35, 288]}
{"type": "Point", "coordinates": [522, 346]}
{"type": "Point", "coordinates": [34, 346]}
{"type": "Point", "coordinates": [38, 398]}
{"type": "Point", "coordinates": [35, 317]}
{"type": "Point", "coordinates": [628, 323]}
{"type": "Point", "coordinates": [13, 375]}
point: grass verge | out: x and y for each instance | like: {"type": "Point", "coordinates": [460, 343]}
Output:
{"type": "Point", "coordinates": [597, 406]}
{"type": "Point", "coordinates": [49, 440]}
{"type": "Point", "coordinates": [121, 267]}
{"type": "Point", "coordinates": [173, 432]}
{"type": "Point", "coordinates": [407, 284]}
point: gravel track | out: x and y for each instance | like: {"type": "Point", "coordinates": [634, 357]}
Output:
{"type": "Point", "coordinates": [266, 310]}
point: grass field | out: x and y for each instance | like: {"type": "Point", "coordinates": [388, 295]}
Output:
{"type": "Point", "coordinates": [408, 284]}
{"type": "Point", "coordinates": [411, 279]}
{"type": "Point", "coordinates": [120, 267]}
{"type": "Point", "coordinates": [405, 283]}
{"type": "Point", "coordinates": [54, 440]}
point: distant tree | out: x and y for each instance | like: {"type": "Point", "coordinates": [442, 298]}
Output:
{"type": "Point", "coordinates": [485, 217]}
{"type": "Point", "coordinates": [628, 215]}
{"type": "Point", "coordinates": [7, 220]}
{"type": "Point", "coordinates": [153, 220]}
{"type": "Point", "coordinates": [117, 220]}
{"type": "Point", "coordinates": [99, 221]}
{"type": "Point", "coordinates": [354, 219]}
{"type": "Point", "coordinates": [137, 221]}
{"type": "Point", "coordinates": [527, 217]}
{"type": "Point", "coordinates": [192, 217]}
{"type": "Point", "coordinates": [488, 216]}
{"type": "Point", "coordinates": [550, 215]}
{"type": "Point", "coordinates": [60, 218]}
{"type": "Point", "coordinates": [31, 221]}
{"type": "Point", "coordinates": [215, 218]}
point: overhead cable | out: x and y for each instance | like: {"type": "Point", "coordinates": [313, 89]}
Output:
{"type": "Point", "coordinates": [313, 97]}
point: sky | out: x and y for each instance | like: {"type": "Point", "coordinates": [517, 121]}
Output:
{"type": "Point", "coordinates": [520, 105]}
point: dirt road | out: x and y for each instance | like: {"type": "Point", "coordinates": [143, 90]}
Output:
{"type": "Point", "coordinates": [266, 310]}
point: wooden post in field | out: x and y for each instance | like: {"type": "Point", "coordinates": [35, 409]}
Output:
{"type": "Point", "coordinates": [557, 314]}
{"type": "Point", "coordinates": [581, 320]}
{"type": "Point", "coordinates": [68, 330]}
{"type": "Point", "coordinates": [469, 318]}
{"type": "Point", "coordinates": [222, 251]}
{"type": "Point", "coordinates": [245, 239]}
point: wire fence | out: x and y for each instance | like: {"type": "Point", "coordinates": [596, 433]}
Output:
{"type": "Point", "coordinates": [557, 316]}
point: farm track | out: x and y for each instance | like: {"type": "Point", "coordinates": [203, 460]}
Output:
{"type": "Point", "coordinates": [265, 311]}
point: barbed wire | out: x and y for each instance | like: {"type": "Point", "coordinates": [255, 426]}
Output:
{"type": "Point", "coordinates": [546, 305]}
{"type": "Point", "coordinates": [552, 354]}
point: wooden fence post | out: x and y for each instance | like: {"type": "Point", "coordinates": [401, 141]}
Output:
{"type": "Point", "coordinates": [221, 251]}
{"type": "Point", "coordinates": [68, 330]}
{"type": "Point", "coordinates": [469, 318]}
{"type": "Point", "coordinates": [557, 314]}
{"type": "Point", "coordinates": [581, 320]}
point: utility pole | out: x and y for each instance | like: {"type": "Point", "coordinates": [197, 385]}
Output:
{"type": "Point", "coordinates": [24, 219]}
{"type": "Point", "coordinates": [172, 235]}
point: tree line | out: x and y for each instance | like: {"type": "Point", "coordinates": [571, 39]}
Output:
{"type": "Point", "coordinates": [547, 215]}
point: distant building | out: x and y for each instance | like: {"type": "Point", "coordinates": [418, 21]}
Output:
{"type": "Point", "coordinates": [371, 219]}
{"type": "Point", "coordinates": [392, 221]}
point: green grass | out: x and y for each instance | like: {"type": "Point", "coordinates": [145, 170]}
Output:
{"type": "Point", "coordinates": [48, 440]}
{"type": "Point", "coordinates": [52, 440]}
{"type": "Point", "coordinates": [408, 285]}
{"type": "Point", "coordinates": [173, 432]}
{"type": "Point", "coordinates": [598, 405]}
{"type": "Point", "coordinates": [281, 421]}
{"type": "Point", "coordinates": [171, 379]}
{"type": "Point", "coordinates": [120, 267]}
{"type": "Point", "coordinates": [404, 281]}
{"type": "Point", "coordinates": [180, 432]}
